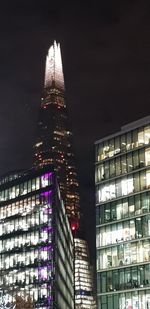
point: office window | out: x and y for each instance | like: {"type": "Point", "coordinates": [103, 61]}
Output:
{"type": "Point", "coordinates": [141, 137]}
{"type": "Point", "coordinates": [147, 135]}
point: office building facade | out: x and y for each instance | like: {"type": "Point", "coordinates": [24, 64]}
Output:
{"type": "Point", "coordinates": [36, 243]}
{"type": "Point", "coordinates": [83, 279]}
{"type": "Point", "coordinates": [122, 175]}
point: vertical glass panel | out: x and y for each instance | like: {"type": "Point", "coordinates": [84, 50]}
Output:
{"type": "Point", "coordinates": [147, 299]}
{"type": "Point", "coordinates": [141, 137]}
{"type": "Point", "coordinates": [106, 170]}
{"type": "Point", "coordinates": [103, 282]}
{"type": "Point", "coordinates": [135, 277]}
{"type": "Point", "coordinates": [144, 203]}
{"type": "Point", "coordinates": [129, 162]}
{"type": "Point", "coordinates": [136, 182]}
{"type": "Point", "coordinates": [132, 229]}
{"type": "Point", "coordinates": [111, 148]}
{"type": "Point", "coordinates": [141, 158]}
{"type": "Point", "coordinates": [135, 139]}
{"type": "Point", "coordinates": [109, 281]}
{"type": "Point", "coordinates": [122, 301]}
{"type": "Point", "coordinates": [117, 145]}
{"type": "Point", "coordinates": [147, 274]}
{"type": "Point", "coordinates": [115, 280]}
{"type": "Point", "coordinates": [25, 188]}
{"type": "Point", "coordinates": [147, 156]}
{"type": "Point", "coordinates": [123, 143]}
{"type": "Point", "coordinates": [37, 183]}
{"type": "Point", "coordinates": [112, 190]}
{"type": "Point", "coordinates": [131, 206]}
{"type": "Point", "coordinates": [109, 258]}
{"type": "Point", "coordinates": [110, 302]}
{"type": "Point", "coordinates": [107, 213]}
{"type": "Point", "coordinates": [116, 301]}
{"type": "Point", "coordinates": [128, 281]}
{"type": "Point", "coordinates": [100, 172]}
{"type": "Point", "coordinates": [135, 160]}
{"type": "Point", "coordinates": [137, 204]}
{"type": "Point", "coordinates": [29, 186]}
{"type": "Point", "coordinates": [129, 141]}
{"type": "Point", "coordinates": [145, 226]}
{"type": "Point", "coordinates": [104, 299]}
{"type": "Point", "coordinates": [124, 186]}
{"type": "Point", "coordinates": [119, 210]}
{"type": "Point", "coordinates": [138, 227]}
{"type": "Point", "coordinates": [101, 214]}
{"type": "Point", "coordinates": [125, 208]}
{"type": "Point", "coordinates": [17, 190]}
{"type": "Point", "coordinates": [108, 235]}
{"type": "Point", "coordinates": [118, 166]}
{"type": "Point", "coordinates": [98, 282]}
{"type": "Point", "coordinates": [141, 272]}
{"type": "Point", "coordinates": [130, 184]}
{"type": "Point", "coordinates": [106, 150]}
{"type": "Point", "coordinates": [123, 165]}
{"type": "Point", "coordinates": [120, 255]}
{"type": "Point", "coordinates": [114, 256]}
{"type": "Point", "coordinates": [113, 211]}
{"type": "Point", "coordinates": [147, 135]}
{"type": "Point", "coordinates": [126, 231]}
{"type": "Point", "coordinates": [112, 168]}
{"type": "Point", "coordinates": [142, 180]}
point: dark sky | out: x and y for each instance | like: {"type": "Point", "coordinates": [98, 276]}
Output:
{"type": "Point", "coordinates": [106, 58]}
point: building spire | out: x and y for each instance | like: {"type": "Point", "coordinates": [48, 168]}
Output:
{"type": "Point", "coordinates": [54, 72]}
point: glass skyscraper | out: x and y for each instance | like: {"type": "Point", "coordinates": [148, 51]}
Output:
{"type": "Point", "coordinates": [54, 146]}
{"type": "Point", "coordinates": [54, 138]}
{"type": "Point", "coordinates": [122, 176]}
{"type": "Point", "coordinates": [36, 243]}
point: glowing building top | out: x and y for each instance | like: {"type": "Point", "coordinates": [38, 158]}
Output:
{"type": "Point", "coordinates": [54, 139]}
{"type": "Point", "coordinates": [54, 71]}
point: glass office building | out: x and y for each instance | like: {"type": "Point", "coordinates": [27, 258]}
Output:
{"type": "Point", "coordinates": [83, 280]}
{"type": "Point", "coordinates": [122, 175]}
{"type": "Point", "coordinates": [36, 243]}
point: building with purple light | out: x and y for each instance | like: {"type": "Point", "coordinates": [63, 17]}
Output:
{"type": "Point", "coordinates": [36, 243]}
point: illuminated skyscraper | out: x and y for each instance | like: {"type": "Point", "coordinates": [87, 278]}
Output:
{"type": "Point", "coordinates": [54, 146]}
{"type": "Point", "coordinates": [123, 218]}
{"type": "Point", "coordinates": [54, 138]}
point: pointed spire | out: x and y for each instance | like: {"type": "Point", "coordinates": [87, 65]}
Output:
{"type": "Point", "coordinates": [54, 71]}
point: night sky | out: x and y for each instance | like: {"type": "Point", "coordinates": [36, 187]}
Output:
{"type": "Point", "coordinates": [106, 59]}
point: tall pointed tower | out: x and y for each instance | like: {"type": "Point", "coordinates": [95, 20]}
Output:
{"type": "Point", "coordinates": [54, 139]}
{"type": "Point", "coordinates": [54, 146]}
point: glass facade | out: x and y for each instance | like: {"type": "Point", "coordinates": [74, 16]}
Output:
{"type": "Point", "coordinates": [122, 176]}
{"type": "Point", "coordinates": [32, 222]}
{"type": "Point", "coordinates": [83, 280]}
